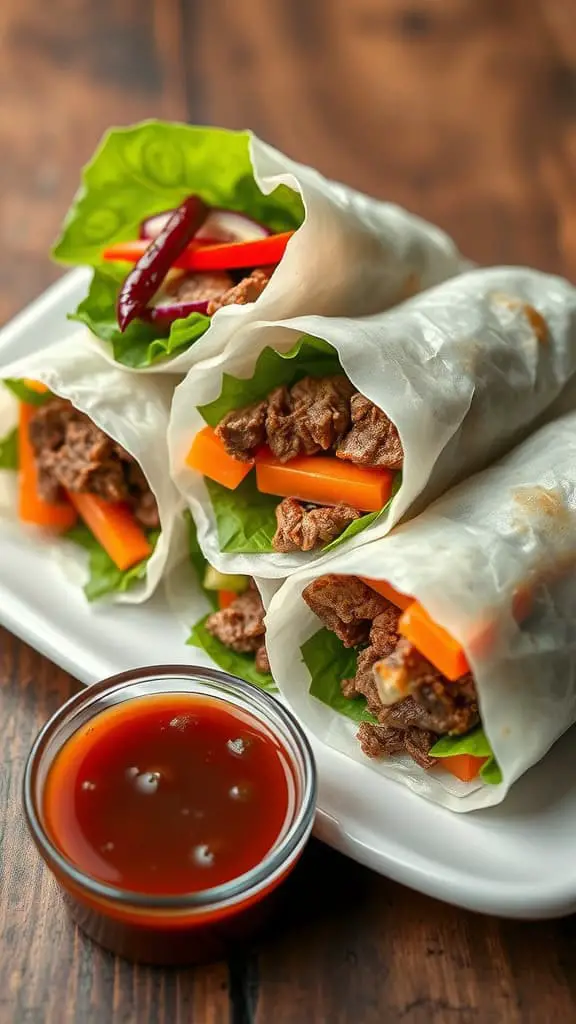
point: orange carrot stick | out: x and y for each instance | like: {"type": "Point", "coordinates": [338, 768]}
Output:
{"type": "Point", "coordinates": [114, 527]}
{"type": "Point", "coordinates": [389, 592]}
{"type": "Point", "coordinates": [209, 457]}
{"type": "Point", "coordinates": [226, 597]}
{"type": "Point", "coordinates": [434, 642]}
{"type": "Point", "coordinates": [32, 508]}
{"type": "Point", "coordinates": [464, 766]}
{"type": "Point", "coordinates": [324, 480]}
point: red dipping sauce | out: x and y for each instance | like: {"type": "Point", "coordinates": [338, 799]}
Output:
{"type": "Point", "coordinates": [168, 794]}
{"type": "Point", "coordinates": [169, 805]}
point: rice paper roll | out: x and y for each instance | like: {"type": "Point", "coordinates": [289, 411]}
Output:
{"type": "Point", "coordinates": [414, 400]}
{"type": "Point", "coordinates": [491, 564]}
{"type": "Point", "coordinates": [103, 435]}
{"type": "Point", "coordinates": [349, 255]}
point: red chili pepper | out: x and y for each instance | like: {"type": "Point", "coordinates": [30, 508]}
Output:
{"type": "Point", "coordinates": [260, 252]}
{"type": "Point", "coordinates": [154, 263]}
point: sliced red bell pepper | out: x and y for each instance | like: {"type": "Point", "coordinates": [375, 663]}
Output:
{"type": "Point", "coordinates": [258, 252]}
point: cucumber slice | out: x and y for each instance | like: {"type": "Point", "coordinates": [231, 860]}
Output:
{"type": "Point", "coordinates": [214, 580]}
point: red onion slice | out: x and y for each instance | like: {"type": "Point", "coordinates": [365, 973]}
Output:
{"type": "Point", "coordinates": [165, 315]}
{"type": "Point", "coordinates": [219, 226]}
{"type": "Point", "coordinates": [186, 294]}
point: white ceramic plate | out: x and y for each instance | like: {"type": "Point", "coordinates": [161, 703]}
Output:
{"type": "Point", "coordinates": [516, 860]}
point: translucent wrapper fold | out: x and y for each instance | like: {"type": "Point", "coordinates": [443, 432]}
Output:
{"type": "Point", "coordinates": [353, 255]}
{"type": "Point", "coordinates": [134, 414]}
{"type": "Point", "coordinates": [464, 371]}
{"type": "Point", "coordinates": [505, 539]}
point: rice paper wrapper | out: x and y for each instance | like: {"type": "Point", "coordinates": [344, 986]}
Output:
{"type": "Point", "coordinates": [352, 255]}
{"type": "Point", "coordinates": [462, 370]}
{"type": "Point", "coordinates": [134, 414]}
{"type": "Point", "coordinates": [510, 530]}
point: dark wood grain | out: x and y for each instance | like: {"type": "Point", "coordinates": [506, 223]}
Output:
{"type": "Point", "coordinates": [464, 110]}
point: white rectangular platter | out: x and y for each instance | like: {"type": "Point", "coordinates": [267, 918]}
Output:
{"type": "Point", "coordinates": [517, 860]}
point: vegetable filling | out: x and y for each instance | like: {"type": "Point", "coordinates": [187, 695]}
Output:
{"type": "Point", "coordinates": [421, 704]}
{"type": "Point", "coordinates": [327, 451]}
{"type": "Point", "coordinates": [73, 455]}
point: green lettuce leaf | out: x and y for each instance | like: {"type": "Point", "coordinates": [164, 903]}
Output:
{"type": "Point", "coordinates": [9, 450]}
{"type": "Point", "coordinates": [104, 577]}
{"type": "Point", "coordinates": [140, 344]}
{"type": "Point", "coordinates": [152, 167]}
{"type": "Point", "coordinates": [309, 357]}
{"type": "Point", "coordinates": [475, 743]}
{"type": "Point", "coordinates": [245, 518]}
{"type": "Point", "coordinates": [241, 665]}
{"type": "Point", "coordinates": [23, 393]}
{"type": "Point", "coordinates": [328, 663]}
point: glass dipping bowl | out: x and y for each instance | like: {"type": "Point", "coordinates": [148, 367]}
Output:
{"type": "Point", "coordinates": [192, 927]}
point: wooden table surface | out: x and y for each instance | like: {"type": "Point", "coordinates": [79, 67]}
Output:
{"type": "Point", "coordinates": [464, 111]}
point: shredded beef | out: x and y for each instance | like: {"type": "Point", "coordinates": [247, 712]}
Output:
{"type": "Point", "coordinates": [262, 663]}
{"type": "Point", "coordinates": [449, 707]}
{"type": "Point", "coordinates": [281, 433]}
{"type": "Point", "coordinates": [247, 290]}
{"type": "Point", "coordinates": [317, 414]}
{"type": "Point", "coordinates": [208, 286]}
{"type": "Point", "coordinates": [321, 411]}
{"type": "Point", "coordinates": [71, 452]}
{"type": "Point", "coordinates": [302, 529]}
{"type": "Point", "coordinates": [243, 430]}
{"type": "Point", "coordinates": [379, 741]}
{"type": "Point", "coordinates": [426, 704]}
{"type": "Point", "coordinates": [310, 417]}
{"type": "Point", "coordinates": [87, 461]}
{"type": "Point", "coordinates": [346, 605]}
{"type": "Point", "coordinates": [373, 439]}
{"type": "Point", "coordinates": [382, 741]}
{"type": "Point", "coordinates": [383, 639]}
{"type": "Point", "coordinates": [384, 629]}
{"type": "Point", "coordinates": [417, 743]}
{"type": "Point", "coordinates": [363, 685]}
{"type": "Point", "coordinates": [240, 626]}
{"type": "Point", "coordinates": [140, 496]}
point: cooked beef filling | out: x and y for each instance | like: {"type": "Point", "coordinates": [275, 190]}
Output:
{"type": "Point", "coordinates": [247, 290]}
{"type": "Point", "coordinates": [219, 288]}
{"type": "Point", "coordinates": [432, 706]}
{"type": "Point", "coordinates": [73, 453]}
{"type": "Point", "coordinates": [324, 414]}
{"type": "Point", "coordinates": [240, 627]}
{"type": "Point", "coordinates": [302, 528]}
{"type": "Point", "coordinates": [199, 287]}
{"type": "Point", "coordinates": [373, 439]}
